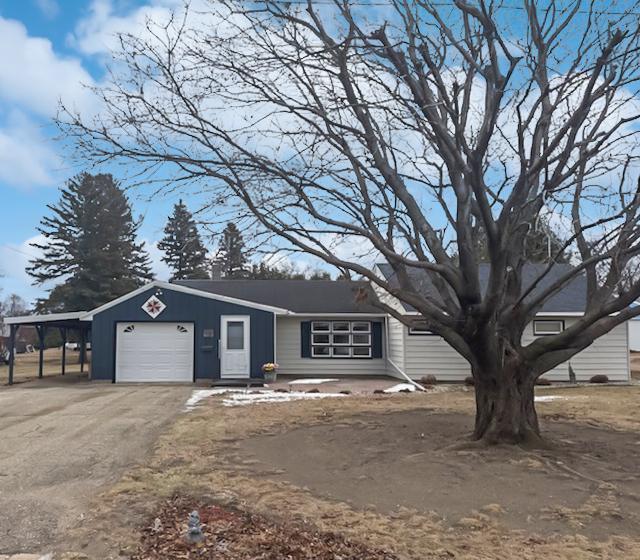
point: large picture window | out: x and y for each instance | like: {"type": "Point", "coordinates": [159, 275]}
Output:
{"type": "Point", "coordinates": [340, 339]}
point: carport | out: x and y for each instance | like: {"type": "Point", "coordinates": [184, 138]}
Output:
{"type": "Point", "coordinates": [64, 322]}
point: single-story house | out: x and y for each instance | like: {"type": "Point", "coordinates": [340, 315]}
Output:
{"type": "Point", "coordinates": [226, 329]}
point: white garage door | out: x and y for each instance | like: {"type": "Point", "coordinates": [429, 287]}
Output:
{"type": "Point", "coordinates": [154, 352]}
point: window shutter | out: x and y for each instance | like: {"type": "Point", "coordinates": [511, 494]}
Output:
{"type": "Point", "coordinates": [305, 339]}
{"type": "Point", "coordinates": [376, 339]}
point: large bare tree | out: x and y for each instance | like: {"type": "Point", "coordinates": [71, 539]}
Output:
{"type": "Point", "coordinates": [407, 127]}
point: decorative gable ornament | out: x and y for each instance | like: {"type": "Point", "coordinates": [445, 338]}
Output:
{"type": "Point", "coordinates": [153, 307]}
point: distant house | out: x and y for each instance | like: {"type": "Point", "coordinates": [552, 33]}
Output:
{"type": "Point", "coordinates": [212, 329]}
{"type": "Point", "coordinates": [21, 342]}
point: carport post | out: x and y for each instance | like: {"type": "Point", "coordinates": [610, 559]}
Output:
{"type": "Point", "coordinates": [41, 329]}
{"type": "Point", "coordinates": [13, 331]}
{"type": "Point", "coordinates": [63, 334]}
{"type": "Point", "coordinates": [83, 349]}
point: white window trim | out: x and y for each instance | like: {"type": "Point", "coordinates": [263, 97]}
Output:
{"type": "Point", "coordinates": [340, 333]}
{"type": "Point", "coordinates": [354, 343]}
{"type": "Point", "coordinates": [316, 331]}
{"type": "Point", "coordinates": [313, 350]}
{"type": "Point", "coordinates": [368, 355]}
{"type": "Point", "coordinates": [314, 343]}
{"type": "Point", "coordinates": [348, 355]}
{"type": "Point", "coordinates": [536, 322]}
{"type": "Point", "coordinates": [413, 331]}
{"type": "Point", "coordinates": [348, 345]}
{"type": "Point", "coordinates": [368, 323]}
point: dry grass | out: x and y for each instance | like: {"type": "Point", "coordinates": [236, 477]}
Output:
{"type": "Point", "coordinates": [26, 365]}
{"type": "Point", "coordinates": [198, 457]}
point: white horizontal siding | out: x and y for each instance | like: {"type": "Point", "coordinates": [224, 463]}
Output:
{"type": "Point", "coordinates": [559, 373]}
{"type": "Point", "coordinates": [608, 355]}
{"type": "Point", "coordinates": [431, 355]}
{"type": "Point", "coordinates": [291, 362]}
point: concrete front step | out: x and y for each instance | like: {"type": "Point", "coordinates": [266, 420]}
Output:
{"type": "Point", "coordinates": [239, 382]}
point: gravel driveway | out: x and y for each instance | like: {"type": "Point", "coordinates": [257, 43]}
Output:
{"type": "Point", "coordinates": [61, 445]}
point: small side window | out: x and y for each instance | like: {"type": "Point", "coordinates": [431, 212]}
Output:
{"type": "Point", "coordinates": [546, 327]}
{"type": "Point", "coordinates": [419, 327]}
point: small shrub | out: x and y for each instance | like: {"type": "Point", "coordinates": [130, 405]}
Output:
{"type": "Point", "coordinates": [469, 381]}
{"type": "Point", "coordinates": [281, 390]}
{"type": "Point", "coordinates": [600, 378]}
{"type": "Point", "coordinates": [405, 391]}
{"type": "Point", "coordinates": [428, 380]}
{"type": "Point", "coordinates": [315, 390]}
{"type": "Point", "coordinates": [345, 392]}
{"type": "Point", "coordinates": [379, 392]}
{"type": "Point", "coordinates": [543, 381]}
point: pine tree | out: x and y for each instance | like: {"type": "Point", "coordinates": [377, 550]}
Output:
{"type": "Point", "coordinates": [231, 257]}
{"type": "Point", "coordinates": [182, 245]}
{"type": "Point", "coordinates": [90, 244]}
{"type": "Point", "coordinates": [264, 271]}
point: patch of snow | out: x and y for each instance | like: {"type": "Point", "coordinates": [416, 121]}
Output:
{"type": "Point", "coordinates": [311, 381]}
{"type": "Point", "coordinates": [401, 387]}
{"type": "Point", "coordinates": [547, 398]}
{"type": "Point", "coordinates": [200, 394]}
{"type": "Point", "coordinates": [242, 399]}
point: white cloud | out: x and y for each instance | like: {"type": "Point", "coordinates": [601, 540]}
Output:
{"type": "Point", "coordinates": [35, 77]}
{"type": "Point", "coordinates": [14, 258]}
{"type": "Point", "coordinates": [27, 159]}
{"type": "Point", "coordinates": [49, 8]}
{"type": "Point", "coordinates": [97, 33]}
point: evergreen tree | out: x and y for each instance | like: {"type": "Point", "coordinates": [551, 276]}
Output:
{"type": "Point", "coordinates": [90, 244]}
{"type": "Point", "coordinates": [231, 257]}
{"type": "Point", "coordinates": [182, 246]}
{"type": "Point", "coordinates": [263, 271]}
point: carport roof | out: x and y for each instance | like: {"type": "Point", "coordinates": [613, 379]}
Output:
{"type": "Point", "coordinates": [52, 319]}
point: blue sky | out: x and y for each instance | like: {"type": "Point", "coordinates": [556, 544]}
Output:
{"type": "Point", "coordinates": [49, 49]}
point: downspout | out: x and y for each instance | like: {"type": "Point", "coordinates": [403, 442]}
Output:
{"type": "Point", "coordinates": [390, 361]}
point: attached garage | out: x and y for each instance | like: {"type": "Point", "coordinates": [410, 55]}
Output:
{"type": "Point", "coordinates": [160, 352]}
{"type": "Point", "coordinates": [169, 333]}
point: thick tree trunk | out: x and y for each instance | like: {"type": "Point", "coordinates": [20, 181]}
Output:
{"type": "Point", "coordinates": [505, 411]}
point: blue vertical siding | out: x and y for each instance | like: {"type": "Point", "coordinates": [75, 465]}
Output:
{"type": "Point", "coordinates": [203, 312]}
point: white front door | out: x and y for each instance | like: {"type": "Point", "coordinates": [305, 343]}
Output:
{"type": "Point", "coordinates": [235, 348]}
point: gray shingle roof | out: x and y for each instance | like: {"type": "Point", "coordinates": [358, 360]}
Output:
{"type": "Point", "coordinates": [571, 298]}
{"type": "Point", "coordinates": [299, 296]}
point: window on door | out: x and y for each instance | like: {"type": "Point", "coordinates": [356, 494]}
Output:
{"type": "Point", "coordinates": [235, 335]}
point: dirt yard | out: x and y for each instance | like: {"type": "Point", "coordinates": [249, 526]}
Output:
{"type": "Point", "coordinates": [26, 365]}
{"type": "Point", "coordinates": [379, 471]}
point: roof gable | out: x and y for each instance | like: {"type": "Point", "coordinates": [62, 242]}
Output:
{"type": "Point", "coordinates": [187, 290]}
